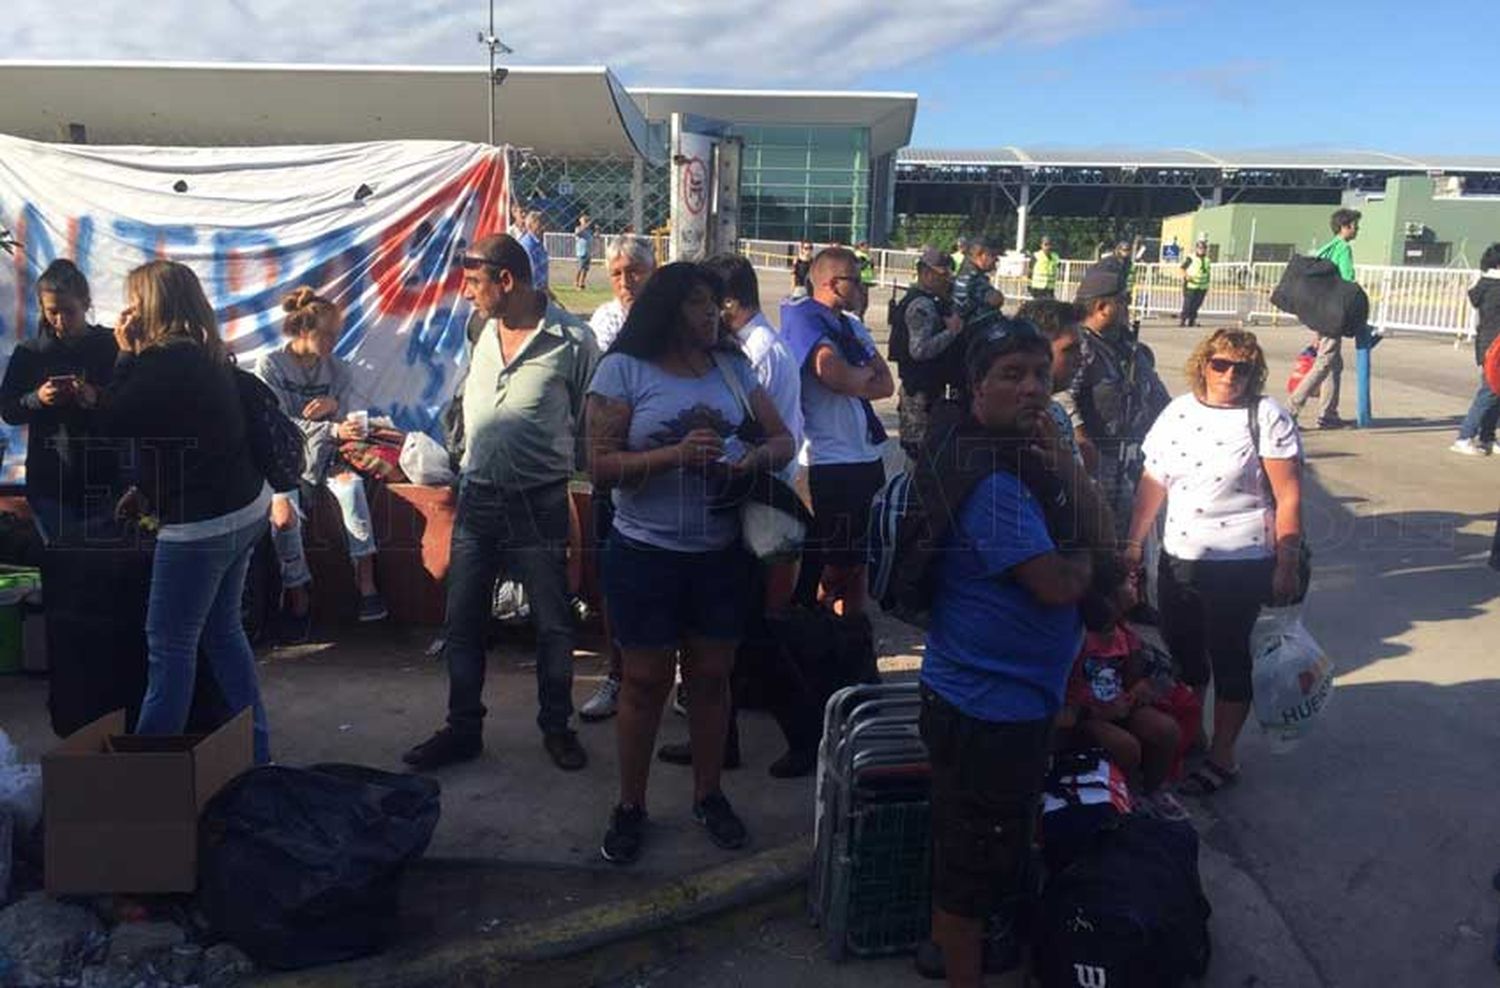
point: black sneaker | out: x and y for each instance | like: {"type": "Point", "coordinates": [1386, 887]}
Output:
{"type": "Point", "coordinates": [1333, 422]}
{"type": "Point", "coordinates": [446, 747]}
{"type": "Point", "coordinates": [626, 833]}
{"type": "Point", "coordinates": [724, 828]}
{"type": "Point", "coordinates": [565, 750]}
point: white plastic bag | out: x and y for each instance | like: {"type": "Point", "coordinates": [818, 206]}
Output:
{"type": "Point", "coordinates": [1291, 675]}
{"type": "Point", "coordinates": [770, 533]}
{"type": "Point", "coordinates": [425, 461]}
{"type": "Point", "coordinates": [20, 788]}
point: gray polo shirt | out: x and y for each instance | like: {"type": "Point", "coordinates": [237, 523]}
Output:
{"type": "Point", "coordinates": [521, 419]}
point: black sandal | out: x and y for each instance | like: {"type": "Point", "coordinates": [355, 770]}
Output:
{"type": "Point", "coordinates": [1207, 779]}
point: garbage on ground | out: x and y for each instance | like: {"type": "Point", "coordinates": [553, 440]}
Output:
{"type": "Point", "coordinates": [303, 866]}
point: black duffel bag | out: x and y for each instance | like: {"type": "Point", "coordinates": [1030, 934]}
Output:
{"type": "Point", "coordinates": [299, 867]}
{"type": "Point", "coordinates": [1312, 289]}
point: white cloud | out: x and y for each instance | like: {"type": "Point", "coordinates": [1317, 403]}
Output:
{"type": "Point", "coordinates": [731, 42]}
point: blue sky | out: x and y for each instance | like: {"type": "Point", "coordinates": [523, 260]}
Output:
{"type": "Point", "coordinates": [1383, 75]}
{"type": "Point", "coordinates": [1417, 78]}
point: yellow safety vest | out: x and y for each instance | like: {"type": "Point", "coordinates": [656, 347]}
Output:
{"type": "Point", "coordinates": [1044, 270]}
{"type": "Point", "coordinates": [1198, 272]}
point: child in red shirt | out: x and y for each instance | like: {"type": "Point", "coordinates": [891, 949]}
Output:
{"type": "Point", "coordinates": [1110, 702]}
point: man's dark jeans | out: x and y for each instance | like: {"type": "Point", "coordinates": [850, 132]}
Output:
{"type": "Point", "coordinates": [526, 532]}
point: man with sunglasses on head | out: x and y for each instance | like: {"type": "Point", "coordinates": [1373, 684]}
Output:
{"type": "Point", "coordinates": [1004, 554]}
{"type": "Point", "coordinates": [1116, 394]}
{"type": "Point", "coordinates": [522, 403]}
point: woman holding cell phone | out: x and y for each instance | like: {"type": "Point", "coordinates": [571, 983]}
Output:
{"type": "Point", "coordinates": [52, 386]}
{"type": "Point", "coordinates": [174, 400]}
{"type": "Point", "coordinates": [316, 391]}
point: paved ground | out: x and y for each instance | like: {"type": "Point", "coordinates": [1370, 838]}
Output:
{"type": "Point", "coordinates": [1363, 858]}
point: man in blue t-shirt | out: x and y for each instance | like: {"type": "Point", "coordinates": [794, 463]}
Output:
{"type": "Point", "coordinates": [536, 251]}
{"type": "Point", "coordinates": [1005, 629]}
{"type": "Point", "coordinates": [583, 251]}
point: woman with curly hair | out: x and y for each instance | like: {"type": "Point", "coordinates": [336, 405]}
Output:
{"type": "Point", "coordinates": [1227, 463]}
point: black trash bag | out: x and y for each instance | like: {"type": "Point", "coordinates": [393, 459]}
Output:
{"type": "Point", "coordinates": [1312, 289]}
{"type": "Point", "coordinates": [299, 867]}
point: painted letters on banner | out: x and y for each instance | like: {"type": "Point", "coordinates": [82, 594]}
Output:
{"type": "Point", "coordinates": [377, 227]}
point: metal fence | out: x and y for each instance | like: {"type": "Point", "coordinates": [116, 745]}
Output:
{"type": "Point", "coordinates": [1402, 299]}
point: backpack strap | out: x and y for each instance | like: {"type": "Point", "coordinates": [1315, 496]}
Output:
{"type": "Point", "coordinates": [1254, 415]}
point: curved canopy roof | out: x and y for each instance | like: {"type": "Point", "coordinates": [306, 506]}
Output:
{"type": "Point", "coordinates": [1120, 157]}
{"type": "Point", "coordinates": [575, 111]}
{"type": "Point", "coordinates": [567, 111]}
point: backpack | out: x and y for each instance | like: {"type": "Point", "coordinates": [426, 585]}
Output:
{"type": "Point", "coordinates": [888, 511]}
{"type": "Point", "coordinates": [1127, 913]}
{"type": "Point", "coordinates": [276, 444]}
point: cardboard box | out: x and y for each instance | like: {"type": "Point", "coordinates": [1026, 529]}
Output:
{"type": "Point", "coordinates": [121, 811]}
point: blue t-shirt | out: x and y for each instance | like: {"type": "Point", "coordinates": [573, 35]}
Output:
{"type": "Point", "coordinates": [670, 510]}
{"type": "Point", "coordinates": [537, 252]}
{"type": "Point", "coordinates": [993, 651]}
{"type": "Point", "coordinates": [583, 243]}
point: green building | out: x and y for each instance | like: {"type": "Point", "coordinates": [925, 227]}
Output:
{"type": "Point", "coordinates": [1418, 220]}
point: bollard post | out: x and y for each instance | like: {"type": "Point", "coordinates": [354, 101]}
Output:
{"type": "Point", "coordinates": [1362, 385]}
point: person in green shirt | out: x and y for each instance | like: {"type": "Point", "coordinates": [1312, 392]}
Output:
{"type": "Point", "coordinates": [1328, 369]}
{"type": "Point", "coordinates": [1044, 266]}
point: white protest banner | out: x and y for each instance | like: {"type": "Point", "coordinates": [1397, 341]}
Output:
{"type": "Point", "coordinates": [376, 227]}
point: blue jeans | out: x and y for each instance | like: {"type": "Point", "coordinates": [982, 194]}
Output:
{"type": "Point", "coordinates": [527, 533]}
{"type": "Point", "coordinates": [1484, 413]}
{"type": "Point", "coordinates": [195, 598]}
{"type": "Point", "coordinates": [349, 491]}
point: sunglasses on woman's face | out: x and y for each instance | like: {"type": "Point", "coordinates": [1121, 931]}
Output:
{"type": "Point", "coordinates": [1223, 365]}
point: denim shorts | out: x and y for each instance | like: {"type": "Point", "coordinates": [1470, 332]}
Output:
{"type": "Point", "coordinates": [658, 597]}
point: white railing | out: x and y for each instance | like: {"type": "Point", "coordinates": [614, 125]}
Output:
{"type": "Point", "coordinates": [1402, 299]}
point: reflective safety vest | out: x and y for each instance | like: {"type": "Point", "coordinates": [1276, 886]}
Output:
{"type": "Point", "coordinates": [1197, 272]}
{"type": "Point", "coordinates": [866, 268]}
{"type": "Point", "coordinates": [1044, 270]}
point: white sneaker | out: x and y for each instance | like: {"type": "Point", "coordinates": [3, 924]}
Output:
{"type": "Point", "coordinates": [604, 703]}
{"type": "Point", "coordinates": [1469, 447]}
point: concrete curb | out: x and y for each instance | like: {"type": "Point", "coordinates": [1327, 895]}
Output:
{"type": "Point", "coordinates": [597, 941]}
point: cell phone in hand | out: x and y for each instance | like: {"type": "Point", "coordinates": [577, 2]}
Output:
{"type": "Point", "coordinates": [65, 381]}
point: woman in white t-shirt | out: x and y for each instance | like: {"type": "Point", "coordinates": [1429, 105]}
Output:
{"type": "Point", "coordinates": [1233, 534]}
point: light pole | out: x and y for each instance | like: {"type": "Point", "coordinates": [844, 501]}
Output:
{"type": "Point", "coordinates": [497, 47]}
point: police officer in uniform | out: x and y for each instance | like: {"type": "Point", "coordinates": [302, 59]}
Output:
{"type": "Point", "coordinates": [925, 346]}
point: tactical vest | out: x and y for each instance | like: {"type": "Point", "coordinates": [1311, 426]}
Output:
{"type": "Point", "coordinates": [928, 377]}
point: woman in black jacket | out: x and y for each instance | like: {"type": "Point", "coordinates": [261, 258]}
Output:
{"type": "Point", "coordinates": [52, 387]}
{"type": "Point", "coordinates": [1476, 436]}
{"type": "Point", "coordinates": [174, 397]}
